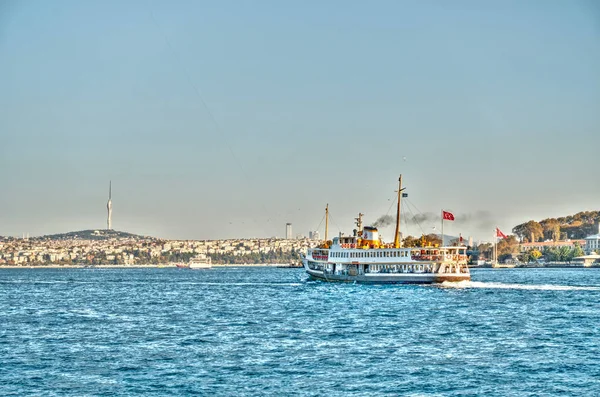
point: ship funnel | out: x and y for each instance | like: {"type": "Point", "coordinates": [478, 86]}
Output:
{"type": "Point", "coordinates": [370, 237]}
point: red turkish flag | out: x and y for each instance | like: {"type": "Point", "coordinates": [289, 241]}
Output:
{"type": "Point", "coordinates": [500, 234]}
{"type": "Point", "coordinates": [447, 216]}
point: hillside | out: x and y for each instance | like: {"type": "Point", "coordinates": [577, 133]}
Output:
{"type": "Point", "coordinates": [97, 234]}
{"type": "Point", "coordinates": [572, 227]}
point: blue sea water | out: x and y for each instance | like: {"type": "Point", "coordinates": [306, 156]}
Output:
{"type": "Point", "coordinates": [267, 331]}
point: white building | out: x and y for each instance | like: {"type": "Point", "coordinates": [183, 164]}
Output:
{"type": "Point", "coordinates": [592, 243]}
{"type": "Point", "coordinates": [288, 231]}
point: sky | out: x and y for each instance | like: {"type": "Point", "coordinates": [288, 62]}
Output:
{"type": "Point", "coordinates": [229, 119]}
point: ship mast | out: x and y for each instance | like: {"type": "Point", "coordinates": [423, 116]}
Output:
{"type": "Point", "coordinates": [397, 236]}
{"type": "Point", "coordinates": [326, 221]}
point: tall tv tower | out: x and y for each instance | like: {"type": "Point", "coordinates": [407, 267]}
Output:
{"type": "Point", "coordinates": [109, 207]}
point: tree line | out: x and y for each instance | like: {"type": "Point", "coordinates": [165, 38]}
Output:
{"type": "Point", "coordinates": [573, 227]}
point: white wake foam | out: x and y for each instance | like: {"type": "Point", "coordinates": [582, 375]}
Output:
{"type": "Point", "coordinates": [540, 287]}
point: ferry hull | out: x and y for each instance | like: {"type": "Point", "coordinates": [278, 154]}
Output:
{"type": "Point", "coordinates": [200, 267]}
{"type": "Point", "coordinates": [424, 278]}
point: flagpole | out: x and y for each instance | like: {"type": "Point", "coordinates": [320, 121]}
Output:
{"type": "Point", "coordinates": [495, 248]}
{"type": "Point", "coordinates": [442, 229]}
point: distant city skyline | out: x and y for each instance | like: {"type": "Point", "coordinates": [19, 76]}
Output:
{"type": "Point", "coordinates": [229, 120]}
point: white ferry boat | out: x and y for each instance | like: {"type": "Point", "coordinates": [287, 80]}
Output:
{"type": "Point", "coordinates": [200, 261]}
{"type": "Point", "coordinates": [363, 258]}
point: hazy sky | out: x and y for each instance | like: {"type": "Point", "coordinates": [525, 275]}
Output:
{"type": "Point", "coordinates": [223, 119]}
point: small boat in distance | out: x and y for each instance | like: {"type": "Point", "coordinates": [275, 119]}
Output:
{"type": "Point", "coordinates": [363, 258]}
{"type": "Point", "coordinates": [182, 265]}
{"type": "Point", "coordinates": [200, 261]}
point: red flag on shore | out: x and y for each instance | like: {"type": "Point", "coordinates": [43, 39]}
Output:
{"type": "Point", "coordinates": [500, 234]}
{"type": "Point", "coordinates": [448, 216]}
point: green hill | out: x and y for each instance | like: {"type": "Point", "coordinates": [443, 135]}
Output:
{"type": "Point", "coordinates": [97, 234]}
{"type": "Point", "coordinates": [573, 227]}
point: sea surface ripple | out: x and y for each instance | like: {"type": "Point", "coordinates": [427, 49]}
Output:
{"type": "Point", "coordinates": [271, 332]}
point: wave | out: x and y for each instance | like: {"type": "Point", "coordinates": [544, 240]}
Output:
{"type": "Point", "coordinates": [45, 282]}
{"type": "Point", "coordinates": [540, 287]}
{"type": "Point", "coordinates": [240, 283]}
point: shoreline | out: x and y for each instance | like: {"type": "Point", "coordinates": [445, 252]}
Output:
{"type": "Point", "coordinates": [274, 265]}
